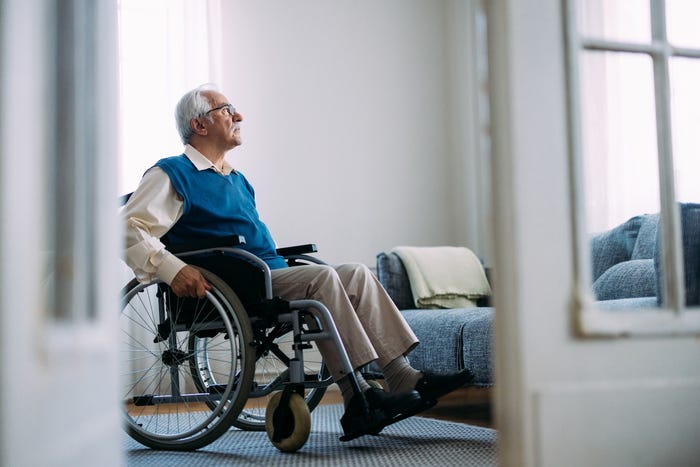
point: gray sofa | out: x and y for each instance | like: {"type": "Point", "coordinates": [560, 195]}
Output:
{"type": "Point", "coordinates": [450, 339]}
{"type": "Point", "coordinates": [627, 264]}
{"type": "Point", "coordinates": [623, 264]}
{"type": "Point", "coordinates": [627, 273]}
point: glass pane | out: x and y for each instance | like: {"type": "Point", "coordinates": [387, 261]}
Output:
{"type": "Point", "coordinates": [620, 177]}
{"type": "Point", "coordinates": [618, 20]}
{"type": "Point", "coordinates": [620, 166]}
{"type": "Point", "coordinates": [685, 114]}
{"type": "Point", "coordinates": [685, 117]}
{"type": "Point", "coordinates": [682, 22]}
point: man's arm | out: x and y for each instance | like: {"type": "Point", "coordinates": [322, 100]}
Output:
{"type": "Point", "coordinates": [150, 212]}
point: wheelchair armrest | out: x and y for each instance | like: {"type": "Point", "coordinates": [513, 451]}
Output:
{"type": "Point", "coordinates": [207, 244]}
{"type": "Point", "coordinates": [297, 250]}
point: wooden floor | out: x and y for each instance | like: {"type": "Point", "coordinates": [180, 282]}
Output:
{"type": "Point", "coordinates": [465, 405]}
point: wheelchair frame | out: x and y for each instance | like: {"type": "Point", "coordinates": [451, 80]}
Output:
{"type": "Point", "coordinates": [186, 419]}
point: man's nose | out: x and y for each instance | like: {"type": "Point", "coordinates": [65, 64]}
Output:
{"type": "Point", "coordinates": [237, 117]}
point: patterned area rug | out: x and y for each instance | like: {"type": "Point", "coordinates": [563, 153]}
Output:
{"type": "Point", "coordinates": [414, 441]}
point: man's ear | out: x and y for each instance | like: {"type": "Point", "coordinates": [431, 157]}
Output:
{"type": "Point", "coordinates": [197, 127]}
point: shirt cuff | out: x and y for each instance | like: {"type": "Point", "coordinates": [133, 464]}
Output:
{"type": "Point", "coordinates": [159, 263]}
{"type": "Point", "coordinates": [169, 267]}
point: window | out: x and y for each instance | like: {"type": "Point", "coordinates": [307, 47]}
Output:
{"type": "Point", "coordinates": [166, 47]}
{"type": "Point", "coordinates": [633, 71]}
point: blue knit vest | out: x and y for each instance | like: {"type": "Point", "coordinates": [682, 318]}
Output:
{"type": "Point", "coordinates": [217, 205]}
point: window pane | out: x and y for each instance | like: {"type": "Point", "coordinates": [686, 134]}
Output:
{"type": "Point", "coordinates": [618, 20]}
{"type": "Point", "coordinates": [620, 166]}
{"type": "Point", "coordinates": [682, 22]}
{"type": "Point", "coordinates": [685, 114]}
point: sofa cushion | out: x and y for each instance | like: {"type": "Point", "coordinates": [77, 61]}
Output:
{"type": "Point", "coordinates": [645, 246]}
{"type": "Point", "coordinates": [629, 279]}
{"type": "Point", "coordinates": [477, 341]}
{"type": "Point", "coordinates": [614, 246]}
{"type": "Point", "coordinates": [452, 340]}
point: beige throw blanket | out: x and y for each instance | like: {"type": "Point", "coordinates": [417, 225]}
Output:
{"type": "Point", "coordinates": [444, 277]}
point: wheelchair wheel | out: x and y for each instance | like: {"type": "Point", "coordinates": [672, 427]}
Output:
{"type": "Point", "coordinates": [164, 407]}
{"type": "Point", "coordinates": [296, 428]}
{"type": "Point", "coordinates": [274, 349]}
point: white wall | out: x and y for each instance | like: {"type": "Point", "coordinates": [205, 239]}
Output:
{"type": "Point", "coordinates": [353, 136]}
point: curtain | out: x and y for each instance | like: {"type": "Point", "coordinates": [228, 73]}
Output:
{"type": "Point", "coordinates": [166, 47]}
{"type": "Point", "coordinates": [620, 161]}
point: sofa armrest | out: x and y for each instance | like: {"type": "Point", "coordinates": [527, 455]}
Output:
{"type": "Point", "coordinates": [394, 279]}
{"type": "Point", "coordinates": [690, 237]}
{"type": "Point", "coordinates": [486, 301]}
{"type": "Point", "coordinates": [691, 252]}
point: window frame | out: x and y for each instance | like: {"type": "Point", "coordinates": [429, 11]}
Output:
{"type": "Point", "coordinates": [673, 318]}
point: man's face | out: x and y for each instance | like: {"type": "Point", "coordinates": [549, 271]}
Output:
{"type": "Point", "coordinates": [224, 126]}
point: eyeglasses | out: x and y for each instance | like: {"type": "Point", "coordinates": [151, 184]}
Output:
{"type": "Point", "coordinates": [230, 110]}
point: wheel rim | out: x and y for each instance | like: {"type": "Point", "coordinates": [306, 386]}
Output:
{"type": "Point", "coordinates": [161, 408]}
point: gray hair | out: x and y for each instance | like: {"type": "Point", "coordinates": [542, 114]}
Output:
{"type": "Point", "coordinates": [192, 105]}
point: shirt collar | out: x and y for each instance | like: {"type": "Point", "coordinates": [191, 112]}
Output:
{"type": "Point", "coordinates": [202, 163]}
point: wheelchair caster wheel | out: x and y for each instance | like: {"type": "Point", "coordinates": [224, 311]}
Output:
{"type": "Point", "coordinates": [292, 434]}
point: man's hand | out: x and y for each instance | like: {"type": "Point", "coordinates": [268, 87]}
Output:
{"type": "Point", "coordinates": [189, 282]}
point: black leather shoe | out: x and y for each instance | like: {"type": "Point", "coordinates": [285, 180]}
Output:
{"type": "Point", "coordinates": [393, 404]}
{"type": "Point", "coordinates": [433, 386]}
{"type": "Point", "coordinates": [382, 409]}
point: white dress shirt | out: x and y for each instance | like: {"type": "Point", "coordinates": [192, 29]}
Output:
{"type": "Point", "coordinates": [150, 212]}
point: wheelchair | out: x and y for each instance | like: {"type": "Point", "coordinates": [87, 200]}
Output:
{"type": "Point", "coordinates": [192, 368]}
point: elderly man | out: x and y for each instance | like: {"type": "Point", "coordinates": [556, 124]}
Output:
{"type": "Point", "coordinates": [199, 195]}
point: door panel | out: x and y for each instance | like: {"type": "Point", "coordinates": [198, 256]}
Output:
{"type": "Point", "coordinates": [632, 423]}
{"type": "Point", "coordinates": [556, 391]}
{"type": "Point", "coordinates": [58, 373]}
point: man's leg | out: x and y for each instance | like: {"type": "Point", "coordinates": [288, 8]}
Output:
{"type": "Point", "coordinates": [322, 283]}
{"type": "Point", "coordinates": [319, 282]}
{"type": "Point", "coordinates": [386, 328]}
{"type": "Point", "coordinates": [392, 338]}
{"type": "Point", "coordinates": [361, 307]}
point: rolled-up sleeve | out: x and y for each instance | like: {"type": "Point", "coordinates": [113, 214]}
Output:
{"type": "Point", "coordinates": [150, 212]}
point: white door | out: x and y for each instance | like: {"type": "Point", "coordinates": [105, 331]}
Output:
{"type": "Point", "coordinates": [564, 398]}
{"type": "Point", "coordinates": [58, 236]}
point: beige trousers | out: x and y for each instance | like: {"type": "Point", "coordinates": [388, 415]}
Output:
{"type": "Point", "coordinates": [369, 324]}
